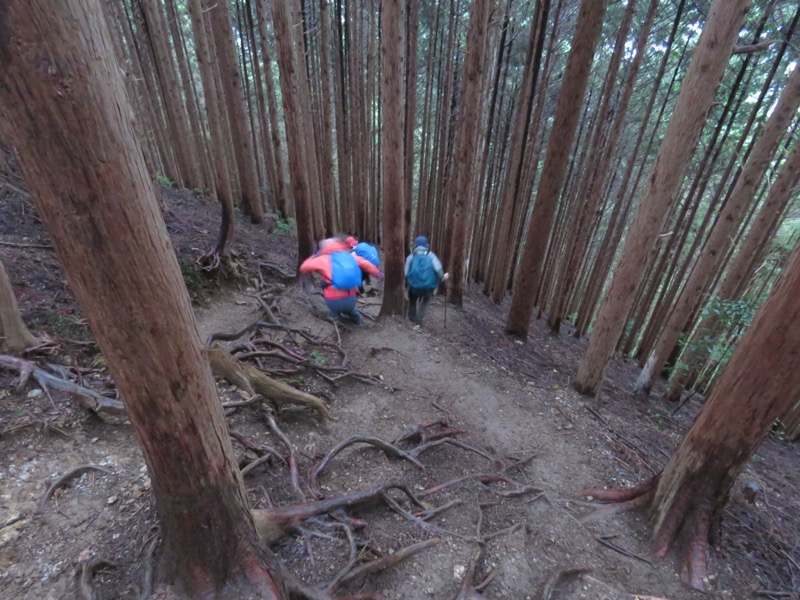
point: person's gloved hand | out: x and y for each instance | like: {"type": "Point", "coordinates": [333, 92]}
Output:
{"type": "Point", "coordinates": [381, 275]}
{"type": "Point", "coordinates": [446, 277]}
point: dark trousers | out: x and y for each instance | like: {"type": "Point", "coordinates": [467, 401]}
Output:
{"type": "Point", "coordinates": [344, 306]}
{"type": "Point", "coordinates": [365, 280]}
{"type": "Point", "coordinates": [418, 303]}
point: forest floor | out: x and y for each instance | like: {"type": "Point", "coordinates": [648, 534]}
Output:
{"type": "Point", "coordinates": [512, 402]}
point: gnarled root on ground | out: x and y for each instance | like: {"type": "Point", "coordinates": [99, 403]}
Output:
{"type": "Point", "coordinates": [108, 409]}
{"type": "Point", "coordinates": [274, 523]}
{"type": "Point", "coordinates": [253, 381]}
{"type": "Point", "coordinates": [687, 512]}
{"type": "Point", "coordinates": [615, 501]}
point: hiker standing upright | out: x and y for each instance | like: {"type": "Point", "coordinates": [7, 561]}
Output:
{"type": "Point", "coordinates": [424, 272]}
{"type": "Point", "coordinates": [341, 275]}
{"type": "Point", "coordinates": [367, 252]}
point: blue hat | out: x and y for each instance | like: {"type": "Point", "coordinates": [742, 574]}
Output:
{"type": "Point", "coordinates": [421, 241]}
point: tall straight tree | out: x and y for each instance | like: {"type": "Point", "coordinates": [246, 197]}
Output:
{"type": "Point", "coordinates": [392, 138]}
{"type": "Point", "coordinates": [710, 58]}
{"type": "Point", "coordinates": [724, 230]}
{"type": "Point", "coordinates": [511, 192]}
{"type": "Point", "coordinates": [573, 87]}
{"type": "Point", "coordinates": [760, 383]}
{"type": "Point", "coordinates": [63, 106]}
{"type": "Point", "coordinates": [294, 115]}
{"type": "Point", "coordinates": [466, 142]}
{"type": "Point", "coordinates": [220, 13]}
{"type": "Point", "coordinates": [222, 182]}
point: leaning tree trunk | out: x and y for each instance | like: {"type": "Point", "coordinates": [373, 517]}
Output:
{"type": "Point", "coordinates": [392, 137]}
{"type": "Point", "coordinates": [12, 327]}
{"type": "Point", "coordinates": [63, 105]}
{"type": "Point", "coordinates": [759, 384]}
{"type": "Point", "coordinates": [723, 232]}
{"type": "Point", "coordinates": [696, 97]}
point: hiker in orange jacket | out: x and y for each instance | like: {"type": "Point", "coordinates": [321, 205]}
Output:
{"type": "Point", "coordinates": [340, 272]}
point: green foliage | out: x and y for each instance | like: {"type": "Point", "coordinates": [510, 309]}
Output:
{"type": "Point", "coordinates": [287, 226]}
{"type": "Point", "coordinates": [730, 316]}
{"type": "Point", "coordinates": [164, 181]}
{"type": "Point", "coordinates": [318, 357]}
{"type": "Point", "coordinates": [191, 275]}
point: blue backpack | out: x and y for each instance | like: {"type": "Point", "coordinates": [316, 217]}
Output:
{"type": "Point", "coordinates": [345, 274]}
{"type": "Point", "coordinates": [368, 252]}
{"type": "Point", "coordinates": [422, 275]}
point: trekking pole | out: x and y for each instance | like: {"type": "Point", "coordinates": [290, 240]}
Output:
{"type": "Point", "coordinates": [446, 298]}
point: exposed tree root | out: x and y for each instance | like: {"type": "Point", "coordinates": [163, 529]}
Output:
{"type": "Point", "coordinates": [387, 447]}
{"type": "Point", "coordinates": [382, 564]}
{"type": "Point", "coordinates": [428, 432]}
{"type": "Point", "coordinates": [104, 407]}
{"type": "Point", "coordinates": [274, 523]}
{"type": "Point", "coordinates": [84, 572]}
{"type": "Point", "coordinates": [254, 381]}
{"type": "Point", "coordinates": [76, 472]}
{"type": "Point", "coordinates": [688, 511]}
{"type": "Point", "coordinates": [281, 272]}
{"type": "Point", "coordinates": [553, 581]}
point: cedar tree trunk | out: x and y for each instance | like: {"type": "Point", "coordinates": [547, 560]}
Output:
{"type": "Point", "coordinates": [695, 100]}
{"type": "Point", "coordinates": [392, 95]}
{"type": "Point", "coordinates": [63, 105]}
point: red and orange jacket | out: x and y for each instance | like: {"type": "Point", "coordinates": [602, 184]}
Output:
{"type": "Point", "coordinates": [321, 263]}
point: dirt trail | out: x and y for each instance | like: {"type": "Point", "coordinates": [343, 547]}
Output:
{"type": "Point", "coordinates": [431, 365]}
{"type": "Point", "coordinates": [512, 400]}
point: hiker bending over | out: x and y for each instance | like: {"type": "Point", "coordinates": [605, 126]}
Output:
{"type": "Point", "coordinates": [367, 252]}
{"type": "Point", "coordinates": [341, 275]}
{"type": "Point", "coordinates": [423, 273]}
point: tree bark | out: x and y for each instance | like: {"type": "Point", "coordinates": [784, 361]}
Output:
{"type": "Point", "coordinates": [293, 116]}
{"type": "Point", "coordinates": [759, 384]}
{"type": "Point", "coordinates": [234, 101]}
{"type": "Point", "coordinates": [222, 183]}
{"type": "Point", "coordinates": [697, 94]}
{"type": "Point", "coordinates": [63, 105]}
{"type": "Point", "coordinates": [573, 86]}
{"type": "Point", "coordinates": [465, 144]}
{"type": "Point", "coordinates": [392, 71]}
{"type": "Point", "coordinates": [742, 264]}
{"type": "Point", "coordinates": [511, 193]}
{"type": "Point", "coordinates": [722, 234]}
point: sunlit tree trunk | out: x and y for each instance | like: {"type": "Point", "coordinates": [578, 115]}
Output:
{"type": "Point", "coordinates": [697, 94]}
{"type": "Point", "coordinates": [90, 186]}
